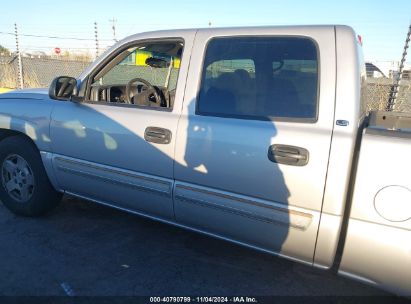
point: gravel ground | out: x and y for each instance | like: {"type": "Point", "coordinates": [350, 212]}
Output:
{"type": "Point", "coordinates": [90, 250]}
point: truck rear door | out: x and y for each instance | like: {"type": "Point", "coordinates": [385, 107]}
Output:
{"type": "Point", "coordinates": [254, 136]}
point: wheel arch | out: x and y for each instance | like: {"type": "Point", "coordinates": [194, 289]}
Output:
{"type": "Point", "coordinates": [36, 129]}
{"type": "Point", "coordinates": [4, 133]}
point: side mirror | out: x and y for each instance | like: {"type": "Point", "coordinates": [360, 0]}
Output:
{"type": "Point", "coordinates": [63, 88]}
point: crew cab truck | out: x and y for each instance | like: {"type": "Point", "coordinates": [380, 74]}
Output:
{"type": "Point", "coordinates": [257, 135]}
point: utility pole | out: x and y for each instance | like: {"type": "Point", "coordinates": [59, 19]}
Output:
{"type": "Point", "coordinates": [96, 37]}
{"type": "Point", "coordinates": [397, 78]}
{"type": "Point", "coordinates": [19, 61]}
{"type": "Point", "coordinates": [113, 27]}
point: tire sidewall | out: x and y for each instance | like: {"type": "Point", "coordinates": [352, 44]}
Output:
{"type": "Point", "coordinates": [22, 147]}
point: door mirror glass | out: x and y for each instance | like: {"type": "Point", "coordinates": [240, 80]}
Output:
{"type": "Point", "coordinates": [63, 88]}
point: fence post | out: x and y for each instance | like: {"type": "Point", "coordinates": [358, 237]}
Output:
{"type": "Point", "coordinates": [113, 27]}
{"type": "Point", "coordinates": [20, 71]}
{"type": "Point", "coordinates": [96, 37]}
{"type": "Point", "coordinates": [397, 78]}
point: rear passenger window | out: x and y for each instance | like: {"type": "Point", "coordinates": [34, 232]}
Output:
{"type": "Point", "coordinates": [260, 78]}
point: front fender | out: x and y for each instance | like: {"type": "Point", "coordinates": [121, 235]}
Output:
{"type": "Point", "coordinates": [30, 116]}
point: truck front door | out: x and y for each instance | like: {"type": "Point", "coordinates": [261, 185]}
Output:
{"type": "Point", "coordinates": [117, 146]}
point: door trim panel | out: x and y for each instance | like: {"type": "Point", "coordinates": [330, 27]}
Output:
{"type": "Point", "coordinates": [114, 176]}
{"type": "Point", "coordinates": [213, 199]}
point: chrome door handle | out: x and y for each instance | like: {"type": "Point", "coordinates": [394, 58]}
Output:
{"type": "Point", "coordinates": [157, 135]}
{"type": "Point", "coordinates": [288, 155]}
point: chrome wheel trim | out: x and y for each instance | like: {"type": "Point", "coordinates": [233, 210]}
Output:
{"type": "Point", "coordinates": [17, 178]}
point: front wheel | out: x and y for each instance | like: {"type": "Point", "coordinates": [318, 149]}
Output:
{"type": "Point", "coordinates": [25, 188]}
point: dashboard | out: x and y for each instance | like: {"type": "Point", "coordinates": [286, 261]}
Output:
{"type": "Point", "coordinates": [117, 94]}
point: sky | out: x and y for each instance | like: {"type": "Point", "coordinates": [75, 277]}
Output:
{"type": "Point", "coordinates": [382, 24]}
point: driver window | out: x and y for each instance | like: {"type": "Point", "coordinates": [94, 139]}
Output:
{"type": "Point", "coordinates": [142, 75]}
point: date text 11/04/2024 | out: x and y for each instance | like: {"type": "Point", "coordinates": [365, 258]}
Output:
{"type": "Point", "coordinates": [237, 299]}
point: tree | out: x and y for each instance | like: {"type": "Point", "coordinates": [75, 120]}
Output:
{"type": "Point", "coordinates": [4, 51]}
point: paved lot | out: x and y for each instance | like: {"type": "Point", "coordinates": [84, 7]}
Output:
{"type": "Point", "coordinates": [87, 249]}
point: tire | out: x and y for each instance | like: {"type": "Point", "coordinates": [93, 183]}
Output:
{"type": "Point", "coordinates": [24, 185]}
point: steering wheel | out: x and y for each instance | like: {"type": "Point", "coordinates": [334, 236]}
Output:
{"type": "Point", "coordinates": [281, 62]}
{"type": "Point", "coordinates": [150, 88]}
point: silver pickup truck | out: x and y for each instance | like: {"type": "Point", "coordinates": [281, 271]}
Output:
{"type": "Point", "coordinates": [258, 136]}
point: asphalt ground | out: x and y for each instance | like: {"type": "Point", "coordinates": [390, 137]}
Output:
{"type": "Point", "coordinates": [84, 249]}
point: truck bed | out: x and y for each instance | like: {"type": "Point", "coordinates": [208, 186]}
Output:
{"type": "Point", "coordinates": [377, 248]}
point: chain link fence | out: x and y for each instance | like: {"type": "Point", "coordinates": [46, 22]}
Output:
{"type": "Point", "coordinates": [378, 93]}
{"type": "Point", "coordinates": [37, 72]}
